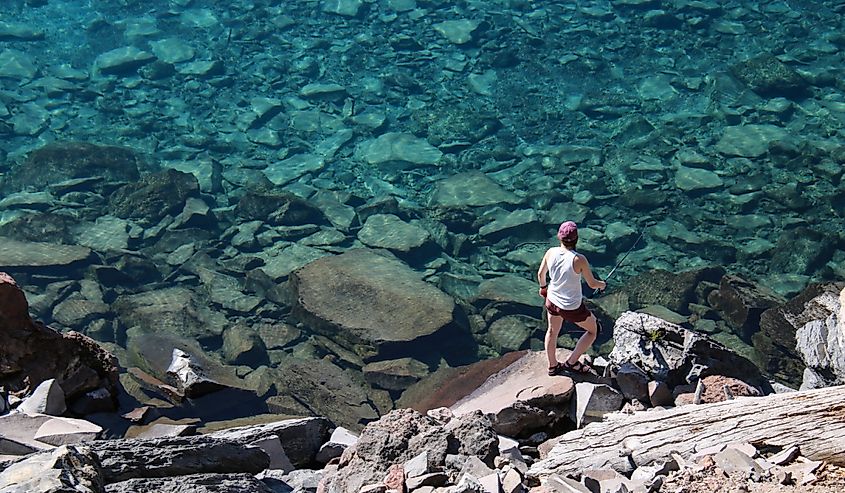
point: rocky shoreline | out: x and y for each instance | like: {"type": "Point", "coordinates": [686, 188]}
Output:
{"type": "Point", "coordinates": [511, 429]}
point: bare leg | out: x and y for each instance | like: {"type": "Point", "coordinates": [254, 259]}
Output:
{"type": "Point", "coordinates": [586, 340]}
{"type": "Point", "coordinates": [552, 332]}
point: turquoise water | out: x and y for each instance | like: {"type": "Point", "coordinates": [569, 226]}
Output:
{"type": "Point", "coordinates": [715, 126]}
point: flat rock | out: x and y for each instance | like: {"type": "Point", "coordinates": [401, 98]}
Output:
{"type": "Point", "coordinates": [343, 296]}
{"type": "Point", "coordinates": [768, 76]}
{"type": "Point", "coordinates": [300, 438]}
{"type": "Point", "coordinates": [48, 398]}
{"type": "Point", "coordinates": [172, 50]}
{"type": "Point", "coordinates": [390, 232]}
{"type": "Point", "coordinates": [14, 31]}
{"type": "Point", "coordinates": [104, 234]}
{"type": "Point", "coordinates": [521, 397]}
{"type": "Point", "coordinates": [17, 433]}
{"type": "Point", "coordinates": [294, 167]}
{"type": "Point", "coordinates": [457, 31]}
{"type": "Point", "coordinates": [396, 374]}
{"type": "Point", "coordinates": [17, 65]}
{"type": "Point", "coordinates": [67, 431]}
{"type": "Point", "coordinates": [122, 61]}
{"type": "Point", "coordinates": [697, 179]}
{"type": "Point", "coordinates": [471, 189]}
{"type": "Point", "coordinates": [195, 483]}
{"type": "Point", "coordinates": [393, 147]}
{"type": "Point", "coordinates": [346, 8]}
{"type": "Point", "coordinates": [749, 140]}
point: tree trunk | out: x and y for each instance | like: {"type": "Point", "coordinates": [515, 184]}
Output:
{"type": "Point", "coordinates": [814, 420]}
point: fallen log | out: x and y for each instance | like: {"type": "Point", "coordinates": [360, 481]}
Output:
{"type": "Point", "coordinates": [813, 420]}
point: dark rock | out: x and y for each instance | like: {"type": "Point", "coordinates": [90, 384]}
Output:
{"type": "Point", "coordinates": [768, 76]}
{"type": "Point", "coordinates": [158, 458]}
{"type": "Point", "coordinates": [242, 345]}
{"type": "Point", "coordinates": [195, 483]}
{"type": "Point", "coordinates": [58, 162]}
{"type": "Point", "coordinates": [633, 382]}
{"type": "Point", "coordinates": [32, 353]}
{"type": "Point", "coordinates": [741, 303]}
{"type": "Point", "coordinates": [398, 374]}
{"type": "Point", "coordinates": [37, 257]}
{"type": "Point", "coordinates": [362, 300]}
{"type": "Point", "coordinates": [278, 208]}
{"type": "Point", "coordinates": [65, 469]}
{"type": "Point", "coordinates": [674, 291]}
{"type": "Point", "coordinates": [38, 226]}
{"type": "Point", "coordinates": [592, 401]}
{"type": "Point", "coordinates": [190, 377]}
{"type": "Point", "coordinates": [154, 196]}
{"type": "Point", "coordinates": [775, 343]}
{"type": "Point", "coordinates": [670, 353]}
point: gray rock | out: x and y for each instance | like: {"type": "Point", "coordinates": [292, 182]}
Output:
{"type": "Point", "coordinates": [299, 481]}
{"type": "Point", "coordinates": [417, 466]}
{"type": "Point", "coordinates": [17, 432]}
{"type": "Point", "coordinates": [471, 189]}
{"type": "Point", "coordinates": [457, 31]}
{"type": "Point", "coordinates": [48, 398]}
{"type": "Point", "coordinates": [164, 430]}
{"type": "Point", "coordinates": [633, 382]}
{"type": "Point", "coordinates": [190, 376]}
{"type": "Point", "coordinates": [195, 483]}
{"type": "Point", "coordinates": [300, 438]}
{"type": "Point", "coordinates": [17, 65]}
{"type": "Point", "coordinates": [75, 312]}
{"type": "Point", "coordinates": [133, 458]}
{"type": "Point", "coordinates": [172, 50]}
{"type": "Point", "coordinates": [398, 148]}
{"type": "Point", "coordinates": [659, 394]}
{"type": "Point", "coordinates": [398, 374]}
{"type": "Point", "coordinates": [13, 31]}
{"type": "Point", "coordinates": [769, 76]}
{"type": "Point", "coordinates": [741, 303]}
{"type": "Point", "coordinates": [154, 196]}
{"type": "Point", "coordinates": [346, 8]}
{"type": "Point", "coordinates": [591, 402]}
{"type": "Point", "coordinates": [31, 120]}
{"type": "Point", "coordinates": [400, 436]}
{"type": "Point", "coordinates": [389, 232]}
{"type": "Point", "coordinates": [290, 169]}
{"type": "Point", "coordinates": [326, 291]}
{"type": "Point", "coordinates": [122, 61]}
{"type": "Point", "coordinates": [820, 344]}
{"type": "Point", "coordinates": [242, 345]}
{"type": "Point", "coordinates": [749, 140]}
{"type": "Point", "coordinates": [510, 333]}
{"type": "Point", "coordinates": [65, 469]}
{"type": "Point", "coordinates": [106, 233]}
{"type": "Point", "coordinates": [17, 254]}
{"type": "Point", "coordinates": [202, 68]}
{"type": "Point", "coordinates": [732, 460]}
{"type": "Point", "coordinates": [666, 352]}
{"type": "Point", "coordinates": [697, 180]}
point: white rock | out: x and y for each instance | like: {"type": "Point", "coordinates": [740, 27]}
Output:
{"type": "Point", "coordinates": [66, 431]}
{"type": "Point", "coordinates": [697, 179]}
{"type": "Point", "coordinates": [457, 31]}
{"type": "Point", "coordinates": [48, 398]}
{"type": "Point", "coordinates": [346, 8]}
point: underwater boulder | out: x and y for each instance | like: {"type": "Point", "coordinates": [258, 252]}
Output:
{"type": "Point", "coordinates": [278, 208]}
{"type": "Point", "coordinates": [768, 76]}
{"type": "Point", "coordinates": [62, 161]}
{"type": "Point", "coordinates": [154, 196]}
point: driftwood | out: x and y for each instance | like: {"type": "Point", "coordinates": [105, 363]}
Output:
{"type": "Point", "coordinates": [813, 420]}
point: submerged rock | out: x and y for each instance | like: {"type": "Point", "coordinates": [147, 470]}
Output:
{"type": "Point", "coordinates": [404, 149]}
{"type": "Point", "coordinates": [768, 76]}
{"type": "Point", "coordinates": [154, 196]}
{"type": "Point", "coordinates": [376, 306]}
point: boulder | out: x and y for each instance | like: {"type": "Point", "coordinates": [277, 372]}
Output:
{"type": "Point", "coordinates": [470, 189]}
{"type": "Point", "coordinates": [62, 161]}
{"type": "Point", "coordinates": [32, 353]}
{"type": "Point", "coordinates": [154, 196]}
{"type": "Point", "coordinates": [122, 61]}
{"type": "Point", "coordinates": [768, 76]}
{"type": "Point", "coordinates": [378, 307]}
{"type": "Point", "coordinates": [300, 438]}
{"type": "Point", "coordinates": [741, 303]}
{"type": "Point", "coordinates": [190, 377]}
{"type": "Point", "coordinates": [71, 469]}
{"type": "Point", "coordinates": [278, 208]}
{"type": "Point", "coordinates": [175, 456]}
{"type": "Point", "coordinates": [391, 233]}
{"type": "Point", "coordinates": [42, 257]}
{"type": "Point", "coordinates": [521, 398]}
{"type": "Point", "coordinates": [67, 431]}
{"type": "Point", "coordinates": [674, 291]}
{"type": "Point", "coordinates": [402, 435]}
{"type": "Point", "coordinates": [398, 374]}
{"type": "Point", "coordinates": [821, 344]}
{"type": "Point", "coordinates": [17, 433]}
{"type": "Point", "coordinates": [174, 312]}
{"type": "Point", "coordinates": [508, 295]}
{"type": "Point", "coordinates": [775, 345]}
{"type": "Point", "coordinates": [340, 440]}
{"type": "Point", "coordinates": [670, 353]}
{"type": "Point", "coordinates": [400, 149]}
{"type": "Point", "coordinates": [633, 382]}
{"type": "Point", "coordinates": [195, 483]}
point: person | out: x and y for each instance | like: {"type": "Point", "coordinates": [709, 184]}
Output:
{"type": "Point", "coordinates": [564, 300]}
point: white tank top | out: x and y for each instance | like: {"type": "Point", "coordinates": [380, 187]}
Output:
{"type": "Point", "coordinates": [565, 285]}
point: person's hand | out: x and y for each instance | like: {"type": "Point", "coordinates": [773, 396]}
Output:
{"type": "Point", "coordinates": [544, 291]}
{"type": "Point", "coordinates": [603, 286]}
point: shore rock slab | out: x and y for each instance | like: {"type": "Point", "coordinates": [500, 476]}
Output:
{"type": "Point", "coordinates": [66, 469]}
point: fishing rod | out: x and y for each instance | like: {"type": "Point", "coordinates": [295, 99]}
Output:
{"type": "Point", "coordinates": [597, 291]}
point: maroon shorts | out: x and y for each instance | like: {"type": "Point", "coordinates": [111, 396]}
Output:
{"type": "Point", "coordinates": [577, 315]}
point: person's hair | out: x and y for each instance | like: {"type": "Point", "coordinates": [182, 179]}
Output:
{"type": "Point", "coordinates": [569, 244]}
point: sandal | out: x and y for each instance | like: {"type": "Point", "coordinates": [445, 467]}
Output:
{"type": "Point", "coordinates": [576, 367]}
{"type": "Point", "coordinates": [557, 369]}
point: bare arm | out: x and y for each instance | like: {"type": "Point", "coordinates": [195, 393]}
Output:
{"type": "Point", "coordinates": [543, 270]}
{"type": "Point", "coordinates": [583, 267]}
